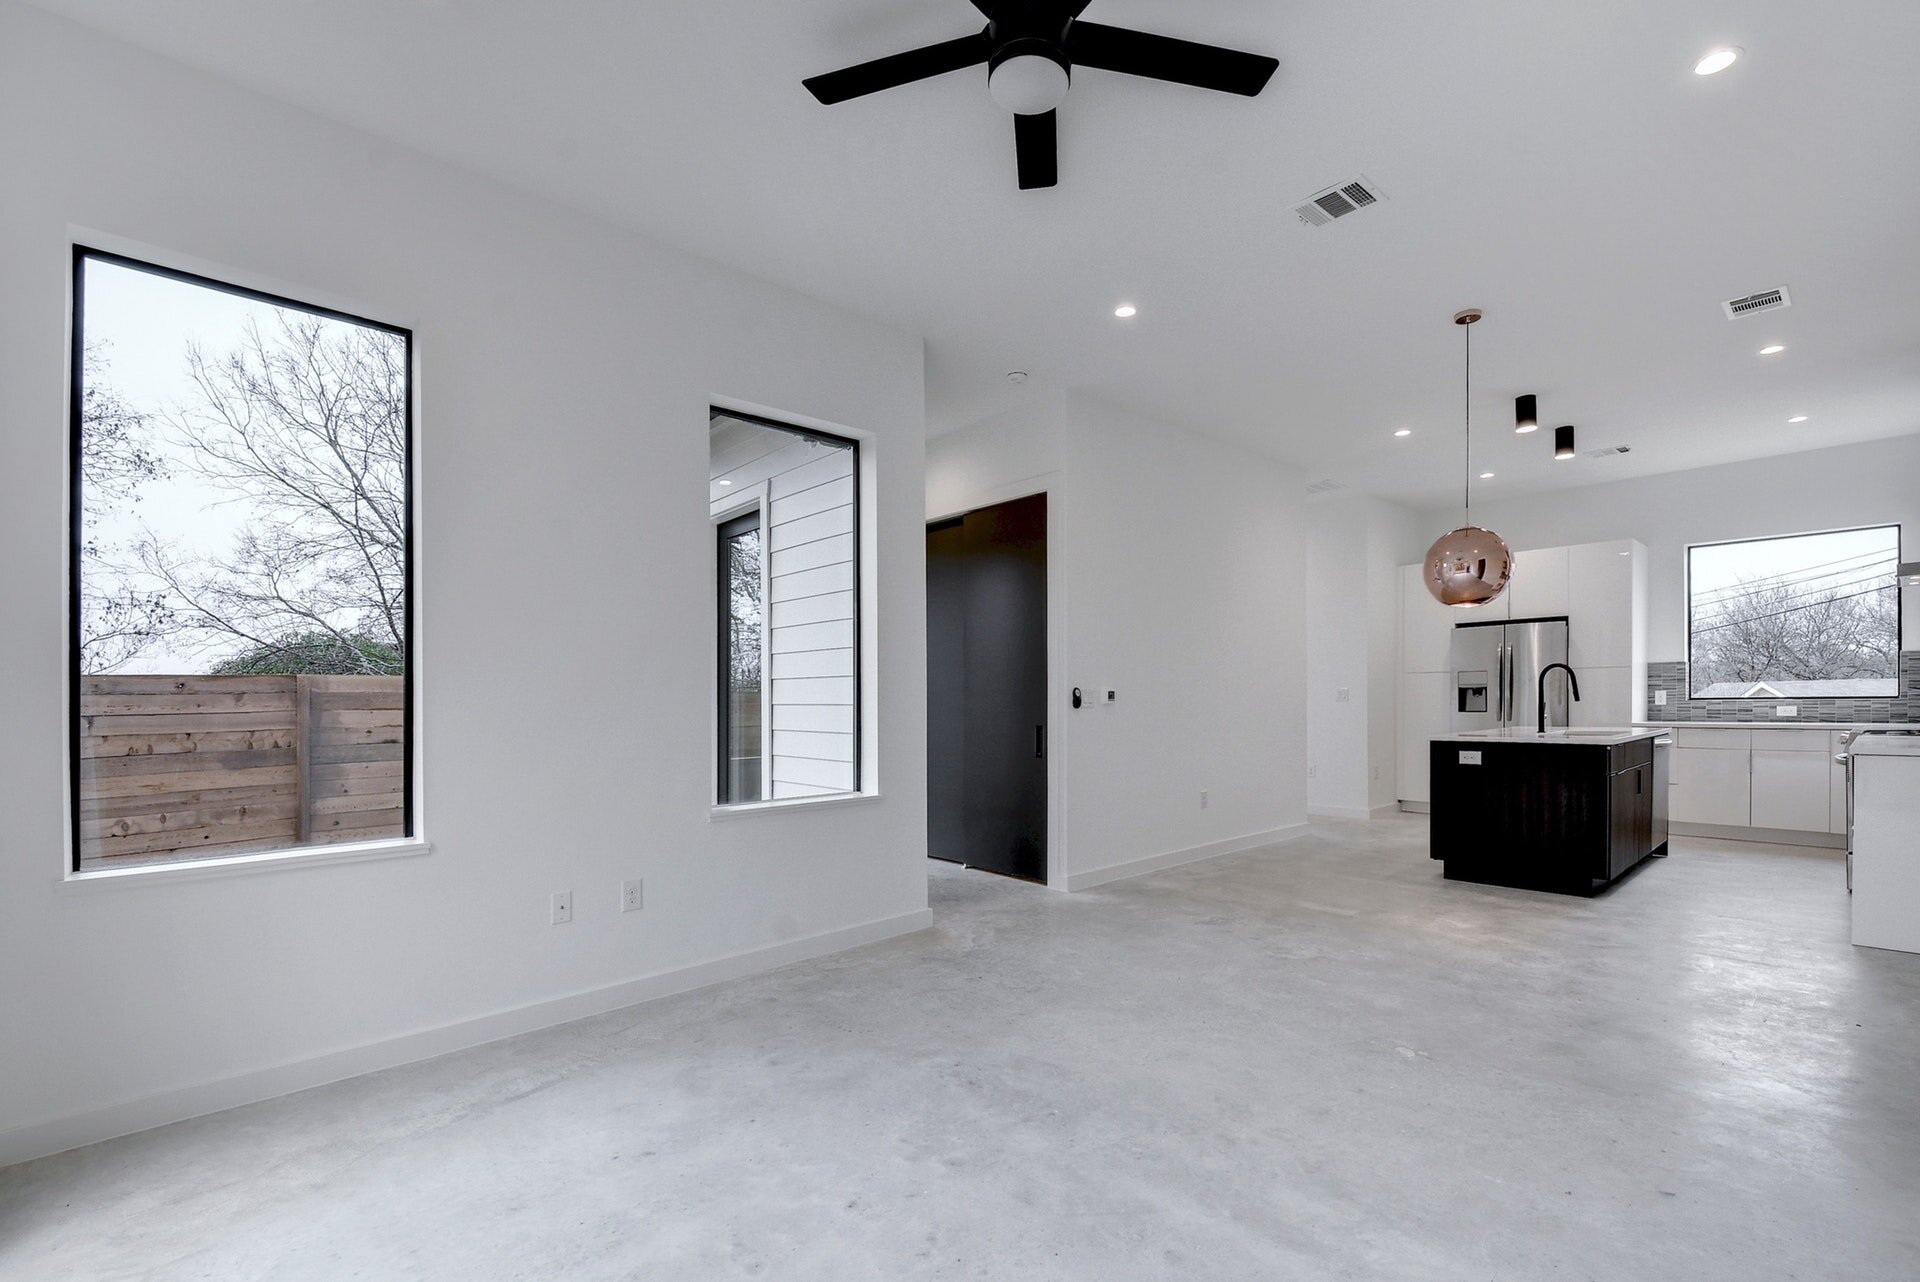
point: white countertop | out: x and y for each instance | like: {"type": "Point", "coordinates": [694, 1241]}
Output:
{"type": "Point", "coordinates": [1602, 736]}
{"type": "Point", "coordinates": [1869, 744]}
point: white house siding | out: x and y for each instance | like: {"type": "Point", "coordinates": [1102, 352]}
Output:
{"type": "Point", "coordinates": [806, 488]}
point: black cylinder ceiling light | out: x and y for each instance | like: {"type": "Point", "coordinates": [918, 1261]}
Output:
{"type": "Point", "coordinates": [1526, 414]}
{"type": "Point", "coordinates": [1468, 566]}
{"type": "Point", "coordinates": [1563, 442]}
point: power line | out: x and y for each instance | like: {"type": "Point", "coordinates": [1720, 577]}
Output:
{"type": "Point", "coordinates": [1788, 594]}
{"type": "Point", "coordinates": [1778, 614]}
{"type": "Point", "coordinates": [1748, 587]}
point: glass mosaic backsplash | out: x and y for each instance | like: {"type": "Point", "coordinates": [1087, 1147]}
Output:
{"type": "Point", "coordinates": [1672, 677]}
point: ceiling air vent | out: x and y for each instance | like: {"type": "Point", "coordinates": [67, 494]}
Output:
{"type": "Point", "coordinates": [1612, 451]}
{"type": "Point", "coordinates": [1338, 201]}
{"type": "Point", "coordinates": [1767, 300]}
{"type": "Point", "coordinates": [1323, 487]}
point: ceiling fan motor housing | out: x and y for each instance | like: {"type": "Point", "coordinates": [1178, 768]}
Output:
{"type": "Point", "coordinates": [1028, 75]}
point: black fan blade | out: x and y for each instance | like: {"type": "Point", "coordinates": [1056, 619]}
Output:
{"type": "Point", "coordinates": [1036, 139]}
{"type": "Point", "coordinates": [1136, 53]}
{"type": "Point", "coordinates": [900, 69]}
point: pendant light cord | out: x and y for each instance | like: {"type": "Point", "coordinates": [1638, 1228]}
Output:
{"type": "Point", "coordinates": [1469, 414]}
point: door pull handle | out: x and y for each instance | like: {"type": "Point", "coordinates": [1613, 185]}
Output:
{"type": "Point", "coordinates": [1040, 741]}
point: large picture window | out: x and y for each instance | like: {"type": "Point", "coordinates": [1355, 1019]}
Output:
{"type": "Point", "coordinates": [241, 565]}
{"type": "Point", "coordinates": [1799, 616]}
{"type": "Point", "coordinates": [785, 508]}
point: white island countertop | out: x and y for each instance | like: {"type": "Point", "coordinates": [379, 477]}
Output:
{"type": "Point", "coordinates": [1603, 736]}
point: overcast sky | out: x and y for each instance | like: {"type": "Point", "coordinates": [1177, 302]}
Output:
{"type": "Point", "coordinates": [148, 322]}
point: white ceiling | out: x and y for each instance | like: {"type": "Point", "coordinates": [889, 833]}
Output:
{"type": "Point", "coordinates": [1556, 164]}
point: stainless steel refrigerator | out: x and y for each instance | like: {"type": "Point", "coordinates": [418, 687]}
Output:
{"type": "Point", "coordinates": [1496, 673]}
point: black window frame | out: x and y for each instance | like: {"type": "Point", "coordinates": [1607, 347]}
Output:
{"type": "Point", "coordinates": [1899, 613]}
{"type": "Point", "coordinates": [859, 607]}
{"type": "Point", "coordinates": [725, 531]}
{"type": "Point", "coordinates": [76, 390]}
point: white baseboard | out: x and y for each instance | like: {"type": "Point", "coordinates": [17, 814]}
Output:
{"type": "Point", "coordinates": [1765, 836]}
{"type": "Point", "coordinates": [1350, 812]}
{"type": "Point", "coordinates": [39, 1139]}
{"type": "Point", "coordinates": [1175, 858]}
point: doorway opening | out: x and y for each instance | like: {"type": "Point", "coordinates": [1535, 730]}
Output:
{"type": "Point", "coordinates": [987, 725]}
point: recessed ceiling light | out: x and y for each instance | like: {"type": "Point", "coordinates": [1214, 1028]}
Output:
{"type": "Point", "coordinates": [1717, 61]}
{"type": "Point", "coordinates": [1773, 349]}
{"type": "Point", "coordinates": [1016, 376]}
{"type": "Point", "coordinates": [1798, 418]}
{"type": "Point", "coordinates": [1405, 431]}
{"type": "Point", "coordinates": [1126, 310]}
{"type": "Point", "coordinates": [1486, 476]}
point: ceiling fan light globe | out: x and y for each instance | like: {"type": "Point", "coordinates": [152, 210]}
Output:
{"type": "Point", "coordinates": [1028, 84]}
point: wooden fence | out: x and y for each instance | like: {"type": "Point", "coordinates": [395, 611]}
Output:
{"type": "Point", "coordinates": [184, 767]}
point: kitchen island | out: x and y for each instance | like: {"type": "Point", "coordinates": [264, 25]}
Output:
{"type": "Point", "coordinates": [1569, 811]}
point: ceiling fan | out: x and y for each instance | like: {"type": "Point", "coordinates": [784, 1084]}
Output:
{"type": "Point", "coordinates": [1030, 48]}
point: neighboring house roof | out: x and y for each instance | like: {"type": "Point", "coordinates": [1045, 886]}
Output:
{"type": "Point", "coordinates": [1852, 688]}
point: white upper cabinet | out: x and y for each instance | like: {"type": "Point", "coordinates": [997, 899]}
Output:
{"type": "Point", "coordinates": [1539, 587]}
{"type": "Point", "coordinates": [1600, 604]}
{"type": "Point", "coordinates": [1426, 626]}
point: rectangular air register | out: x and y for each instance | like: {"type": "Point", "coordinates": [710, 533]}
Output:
{"type": "Point", "coordinates": [1338, 201]}
{"type": "Point", "coordinates": [1767, 300]}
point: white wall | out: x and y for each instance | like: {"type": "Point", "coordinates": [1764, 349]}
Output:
{"type": "Point", "coordinates": [1171, 560]}
{"type": "Point", "coordinates": [565, 611]}
{"type": "Point", "coordinates": [1869, 484]}
{"type": "Point", "coordinates": [1358, 543]}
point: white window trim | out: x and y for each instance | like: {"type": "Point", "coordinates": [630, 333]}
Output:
{"type": "Point", "coordinates": [309, 296]}
{"type": "Point", "coordinates": [344, 852]}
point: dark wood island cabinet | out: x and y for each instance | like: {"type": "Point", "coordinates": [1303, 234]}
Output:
{"type": "Point", "coordinates": [1566, 811]}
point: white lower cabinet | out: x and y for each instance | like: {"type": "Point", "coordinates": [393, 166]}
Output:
{"type": "Point", "coordinates": [1836, 796]}
{"type": "Point", "coordinates": [1790, 790]}
{"type": "Point", "coordinates": [1711, 786]}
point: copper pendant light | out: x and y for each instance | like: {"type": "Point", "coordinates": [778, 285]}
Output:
{"type": "Point", "coordinates": [1468, 566]}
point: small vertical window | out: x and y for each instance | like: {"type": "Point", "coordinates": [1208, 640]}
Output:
{"type": "Point", "coordinates": [241, 638]}
{"type": "Point", "coordinates": [785, 508]}
{"type": "Point", "coordinates": [743, 688]}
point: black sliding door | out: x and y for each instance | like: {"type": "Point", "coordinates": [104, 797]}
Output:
{"type": "Point", "coordinates": [987, 688]}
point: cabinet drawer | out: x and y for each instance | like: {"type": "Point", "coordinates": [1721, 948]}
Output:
{"type": "Point", "coordinates": [1727, 739]}
{"type": "Point", "coordinates": [1793, 740]}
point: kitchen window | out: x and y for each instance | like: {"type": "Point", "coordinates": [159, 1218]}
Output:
{"type": "Point", "coordinates": [784, 505]}
{"type": "Point", "coordinates": [241, 649]}
{"type": "Point", "coordinates": [1802, 616]}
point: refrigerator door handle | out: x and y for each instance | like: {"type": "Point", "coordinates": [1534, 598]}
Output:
{"type": "Point", "coordinates": [1506, 686]}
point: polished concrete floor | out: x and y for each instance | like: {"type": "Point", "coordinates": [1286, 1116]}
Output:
{"type": "Point", "coordinates": [1313, 1061]}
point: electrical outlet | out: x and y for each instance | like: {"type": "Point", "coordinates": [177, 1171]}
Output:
{"type": "Point", "coordinates": [560, 911]}
{"type": "Point", "coordinates": [1341, 695]}
{"type": "Point", "coordinates": [1660, 698]}
{"type": "Point", "coordinates": [1374, 774]}
{"type": "Point", "coordinates": [1203, 799]}
{"type": "Point", "coordinates": [632, 897]}
{"type": "Point", "coordinates": [1786, 710]}
{"type": "Point", "coordinates": [1313, 772]}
